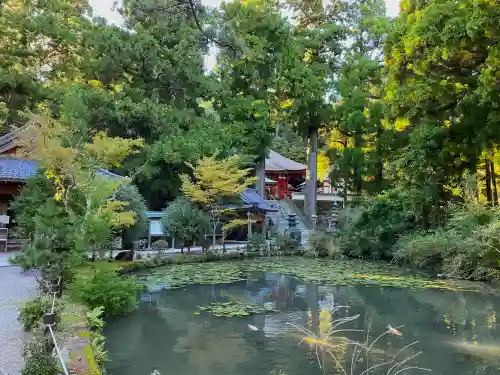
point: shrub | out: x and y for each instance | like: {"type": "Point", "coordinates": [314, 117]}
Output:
{"type": "Point", "coordinates": [135, 202]}
{"type": "Point", "coordinates": [37, 361]}
{"type": "Point", "coordinates": [116, 294]}
{"type": "Point", "coordinates": [320, 244]}
{"type": "Point", "coordinates": [257, 242]}
{"type": "Point", "coordinates": [184, 220]}
{"type": "Point", "coordinates": [285, 244]}
{"type": "Point", "coordinates": [375, 231]}
{"type": "Point", "coordinates": [97, 344]}
{"type": "Point", "coordinates": [160, 244]}
{"type": "Point", "coordinates": [423, 249]}
{"type": "Point", "coordinates": [466, 248]}
{"type": "Point", "coordinates": [32, 311]}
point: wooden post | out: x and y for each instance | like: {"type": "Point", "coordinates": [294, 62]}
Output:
{"type": "Point", "coordinates": [249, 215]}
{"type": "Point", "coordinates": [313, 174]}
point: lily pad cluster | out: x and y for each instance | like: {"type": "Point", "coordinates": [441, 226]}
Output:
{"type": "Point", "coordinates": [180, 275]}
{"type": "Point", "coordinates": [344, 273]}
{"type": "Point", "coordinates": [235, 309]}
{"type": "Point", "coordinates": [352, 272]}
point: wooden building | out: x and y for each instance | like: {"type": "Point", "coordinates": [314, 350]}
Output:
{"type": "Point", "coordinates": [283, 175]}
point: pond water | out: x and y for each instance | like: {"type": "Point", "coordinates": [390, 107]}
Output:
{"type": "Point", "coordinates": [455, 327]}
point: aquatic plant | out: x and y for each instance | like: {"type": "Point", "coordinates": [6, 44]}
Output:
{"type": "Point", "coordinates": [181, 275]}
{"type": "Point", "coordinates": [359, 364]}
{"type": "Point", "coordinates": [235, 308]}
{"type": "Point", "coordinates": [340, 272]}
{"type": "Point", "coordinates": [353, 272]}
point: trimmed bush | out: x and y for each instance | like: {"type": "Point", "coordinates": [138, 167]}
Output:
{"type": "Point", "coordinates": [116, 294]}
{"type": "Point", "coordinates": [31, 313]}
{"type": "Point", "coordinates": [37, 361]}
{"type": "Point", "coordinates": [321, 245]}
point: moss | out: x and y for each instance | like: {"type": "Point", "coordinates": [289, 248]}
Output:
{"type": "Point", "coordinates": [93, 368]}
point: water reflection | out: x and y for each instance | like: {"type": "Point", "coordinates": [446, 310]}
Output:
{"type": "Point", "coordinates": [457, 332]}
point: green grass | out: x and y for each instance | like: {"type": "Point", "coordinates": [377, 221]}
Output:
{"type": "Point", "coordinates": [86, 270]}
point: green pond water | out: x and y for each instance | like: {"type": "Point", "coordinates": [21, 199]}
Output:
{"type": "Point", "coordinates": [194, 320]}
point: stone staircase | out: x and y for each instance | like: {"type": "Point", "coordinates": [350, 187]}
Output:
{"type": "Point", "coordinates": [14, 244]}
{"type": "Point", "coordinates": [280, 218]}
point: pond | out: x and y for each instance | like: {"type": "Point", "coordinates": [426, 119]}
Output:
{"type": "Point", "coordinates": [298, 317]}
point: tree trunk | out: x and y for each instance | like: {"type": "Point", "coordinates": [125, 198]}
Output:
{"type": "Point", "coordinates": [213, 236]}
{"type": "Point", "coordinates": [261, 177]}
{"type": "Point", "coordinates": [494, 182]}
{"type": "Point", "coordinates": [379, 167]}
{"type": "Point", "coordinates": [345, 191]}
{"type": "Point", "coordinates": [489, 195]}
{"type": "Point", "coordinates": [358, 143]}
{"type": "Point", "coordinates": [313, 173]}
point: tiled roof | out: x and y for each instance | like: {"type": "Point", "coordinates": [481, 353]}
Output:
{"type": "Point", "coordinates": [12, 169]}
{"type": "Point", "coordinates": [8, 141]}
{"type": "Point", "coordinates": [278, 163]}
{"type": "Point", "coordinates": [251, 197]}
{"type": "Point", "coordinates": [17, 169]}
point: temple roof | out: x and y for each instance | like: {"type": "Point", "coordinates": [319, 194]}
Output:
{"type": "Point", "coordinates": [278, 163]}
{"type": "Point", "coordinates": [19, 170]}
{"type": "Point", "coordinates": [8, 141]}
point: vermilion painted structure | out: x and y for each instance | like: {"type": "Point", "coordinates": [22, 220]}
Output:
{"type": "Point", "coordinates": [285, 172]}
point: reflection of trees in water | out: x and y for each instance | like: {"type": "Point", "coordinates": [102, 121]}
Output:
{"type": "Point", "coordinates": [183, 343]}
{"type": "Point", "coordinates": [218, 350]}
{"type": "Point", "coordinates": [441, 320]}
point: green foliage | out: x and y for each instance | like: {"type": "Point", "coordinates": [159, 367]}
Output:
{"type": "Point", "coordinates": [321, 245]}
{"type": "Point", "coordinates": [32, 311]}
{"type": "Point", "coordinates": [411, 125]}
{"type": "Point", "coordinates": [37, 360]}
{"type": "Point", "coordinates": [53, 227]}
{"type": "Point", "coordinates": [97, 344]}
{"type": "Point", "coordinates": [94, 320]}
{"type": "Point", "coordinates": [130, 195]}
{"type": "Point", "coordinates": [52, 245]}
{"type": "Point", "coordinates": [353, 143]}
{"type": "Point", "coordinates": [285, 244]}
{"type": "Point", "coordinates": [383, 219]}
{"type": "Point", "coordinates": [26, 205]}
{"type": "Point", "coordinates": [160, 245]}
{"type": "Point", "coordinates": [340, 272]}
{"type": "Point", "coordinates": [217, 182]}
{"type": "Point", "coordinates": [466, 248]}
{"type": "Point", "coordinates": [186, 222]}
{"type": "Point", "coordinates": [184, 274]}
{"type": "Point", "coordinates": [116, 294]}
{"type": "Point", "coordinates": [257, 242]}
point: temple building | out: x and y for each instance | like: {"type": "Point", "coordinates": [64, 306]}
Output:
{"type": "Point", "coordinates": [283, 175]}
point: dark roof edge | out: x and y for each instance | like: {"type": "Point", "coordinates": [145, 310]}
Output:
{"type": "Point", "coordinates": [7, 142]}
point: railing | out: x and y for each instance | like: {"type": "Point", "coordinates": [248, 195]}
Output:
{"type": "Point", "coordinates": [278, 204]}
{"type": "Point", "coordinates": [307, 223]}
{"type": "Point", "coordinates": [49, 319]}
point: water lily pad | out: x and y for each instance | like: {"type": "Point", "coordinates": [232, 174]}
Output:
{"type": "Point", "coordinates": [180, 275]}
{"type": "Point", "coordinates": [342, 273]}
{"type": "Point", "coordinates": [235, 309]}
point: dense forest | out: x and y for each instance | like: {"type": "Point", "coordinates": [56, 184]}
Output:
{"type": "Point", "coordinates": [401, 111]}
